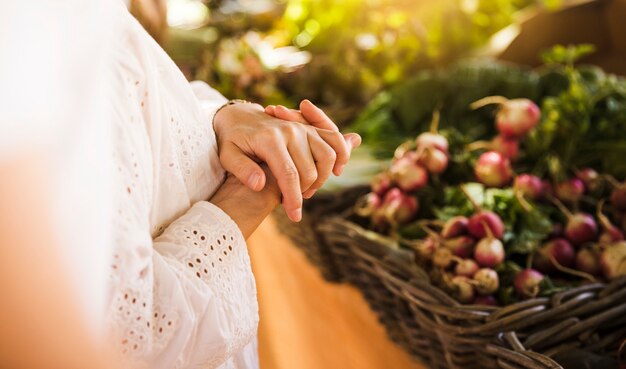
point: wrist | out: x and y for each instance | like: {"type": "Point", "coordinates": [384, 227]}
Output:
{"type": "Point", "coordinates": [226, 112]}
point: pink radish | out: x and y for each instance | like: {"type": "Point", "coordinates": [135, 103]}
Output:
{"type": "Point", "coordinates": [489, 252]}
{"type": "Point", "coordinates": [408, 175]}
{"type": "Point", "coordinates": [427, 247]}
{"type": "Point", "coordinates": [515, 118]}
{"type": "Point", "coordinates": [434, 160]}
{"type": "Point", "coordinates": [399, 207]}
{"type": "Point", "coordinates": [508, 147]}
{"type": "Point", "coordinates": [462, 289]}
{"type": "Point", "coordinates": [588, 261]}
{"type": "Point", "coordinates": [527, 283]}
{"type": "Point", "coordinates": [618, 198]}
{"type": "Point", "coordinates": [461, 246]}
{"type": "Point", "coordinates": [493, 169]}
{"type": "Point", "coordinates": [466, 268]}
{"type": "Point", "coordinates": [368, 204]}
{"type": "Point", "coordinates": [432, 139]}
{"type": "Point", "coordinates": [528, 185]}
{"type": "Point", "coordinates": [589, 177]}
{"type": "Point", "coordinates": [442, 257]}
{"type": "Point", "coordinates": [381, 183]}
{"type": "Point", "coordinates": [478, 222]}
{"type": "Point", "coordinates": [487, 281]}
{"type": "Point", "coordinates": [454, 226]}
{"type": "Point", "coordinates": [580, 228]}
{"type": "Point", "coordinates": [559, 250]}
{"type": "Point", "coordinates": [485, 300]}
{"type": "Point", "coordinates": [613, 260]}
{"type": "Point", "coordinates": [571, 190]}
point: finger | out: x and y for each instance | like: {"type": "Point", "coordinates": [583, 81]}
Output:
{"type": "Point", "coordinates": [316, 117]}
{"type": "Point", "coordinates": [290, 115]}
{"type": "Point", "coordinates": [342, 149]}
{"type": "Point", "coordinates": [286, 174]}
{"type": "Point", "coordinates": [241, 166]}
{"type": "Point", "coordinates": [302, 157]}
{"type": "Point", "coordinates": [325, 157]}
{"type": "Point", "coordinates": [353, 139]}
{"type": "Point", "coordinates": [270, 110]}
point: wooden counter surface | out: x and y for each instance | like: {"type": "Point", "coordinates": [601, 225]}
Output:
{"type": "Point", "coordinates": [308, 323]}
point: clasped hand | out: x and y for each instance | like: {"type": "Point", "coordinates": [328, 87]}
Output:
{"type": "Point", "coordinates": [300, 147]}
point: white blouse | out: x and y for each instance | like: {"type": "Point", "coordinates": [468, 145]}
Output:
{"type": "Point", "coordinates": [182, 293]}
{"type": "Point", "coordinates": [133, 159]}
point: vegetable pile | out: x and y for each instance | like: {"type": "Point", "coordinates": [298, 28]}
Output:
{"type": "Point", "coordinates": [508, 214]}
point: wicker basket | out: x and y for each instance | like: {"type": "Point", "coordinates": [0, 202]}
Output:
{"type": "Point", "coordinates": [446, 334]}
{"type": "Point", "coordinates": [305, 235]}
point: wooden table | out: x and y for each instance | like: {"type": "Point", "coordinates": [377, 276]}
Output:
{"type": "Point", "coordinates": [308, 323]}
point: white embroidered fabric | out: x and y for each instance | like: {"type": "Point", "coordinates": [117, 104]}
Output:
{"type": "Point", "coordinates": [182, 293]}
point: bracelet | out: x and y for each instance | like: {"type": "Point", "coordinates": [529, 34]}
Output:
{"type": "Point", "coordinates": [228, 103]}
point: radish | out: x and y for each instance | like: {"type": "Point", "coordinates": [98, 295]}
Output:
{"type": "Point", "coordinates": [610, 233]}
{"type": "Point", "coordinates": [515, 118]}
{"type": "Point", "coordinates": [368, 204]}
{"type": "Point", "coordinates": [434, 160]}
{"type": "Point", "coordinates": [529, 186]}
{"type": "Point", "coordinates": [442, 257]}
{"type": "Point", "coordinates": [399, 207]}
{"type": "Point", "coordinates": [462, 289]}
{"type": "Point", "coordinates": [381, 183]}
{"type": "Point", "coordinates": [466, 268]}
{"type": "Point", "coordinates": [478, 223]}
{"type": "Point", "coordinates": [527, 283]}
{"type": "Point", "coordinates": [571, 190]}
{"type": "Point", "coordinates": [487, 281]}
{"type": "Point", "coordinates": [485, 300]}
{"type": "Point", "coordinates": [427, 247]}
{"type": "Point", "coordinates": [589, 177]}
{"type": "Point", "coordinates": [558, 250]}
{"type": "Point", "coordinates": [454, 226]}
{"type": "Point", "coordinates": [580, 227]}
{"type": "Point", "coordinates": [618, 198]}
{"type": "Point", "coordinates": [461, 246]}
{"type": "Point", "coordinates": [588, 261]}
{"type": "Point", "coordinates": [408, 175]}
{"type": "Point", "coordinates": [493, 169]}
{"type": "Point", "coordinates": [403, 149]}
{"type": "Point", "coordinates": [613, 260]}
{"type": "Point", "coordinates": [433, 139]}
{"type": "Point", "coordinates": [489, 252]}
{"type": "Point", "coordinates": [508, 147]}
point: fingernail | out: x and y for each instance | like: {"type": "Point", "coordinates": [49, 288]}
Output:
{"type": "Point", "coordinates": [254, 180]}
{"type": "Point", "coordinates": [309, 194]}
{"type": "Point", "coordinates": [340, 169]}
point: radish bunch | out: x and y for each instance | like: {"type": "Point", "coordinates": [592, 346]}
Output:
{"type": "Point", "coordinates": [476, 256]}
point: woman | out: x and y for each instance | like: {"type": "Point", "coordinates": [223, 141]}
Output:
{"type": "Point", "coordinates": [180, 292]}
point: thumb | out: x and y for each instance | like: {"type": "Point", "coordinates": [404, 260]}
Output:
{"type": "Point", "coordinates": [241, 166]}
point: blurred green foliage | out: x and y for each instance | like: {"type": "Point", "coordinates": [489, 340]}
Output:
{"type": "Point", "coordinates": [583, 113]}
{"type": "Point", "coordinates": [357, 47]}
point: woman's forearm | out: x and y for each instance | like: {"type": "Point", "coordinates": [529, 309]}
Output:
{"type": "Point", "coordinates": [246, 208]}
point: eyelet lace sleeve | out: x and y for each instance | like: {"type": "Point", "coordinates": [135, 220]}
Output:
{"type": "Point", "coordinates": [192, 302]}
{"type": "Point", "coordinates": [182, 294]}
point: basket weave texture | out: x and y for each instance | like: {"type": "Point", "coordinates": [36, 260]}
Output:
{"type": "Point", "coordinates": [442, 333]}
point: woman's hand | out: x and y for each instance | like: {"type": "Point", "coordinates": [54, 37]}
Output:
{"type": "Point", "coordinates": [300, 156]}
{"type": "Point", "coordinates": [246, 207]}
